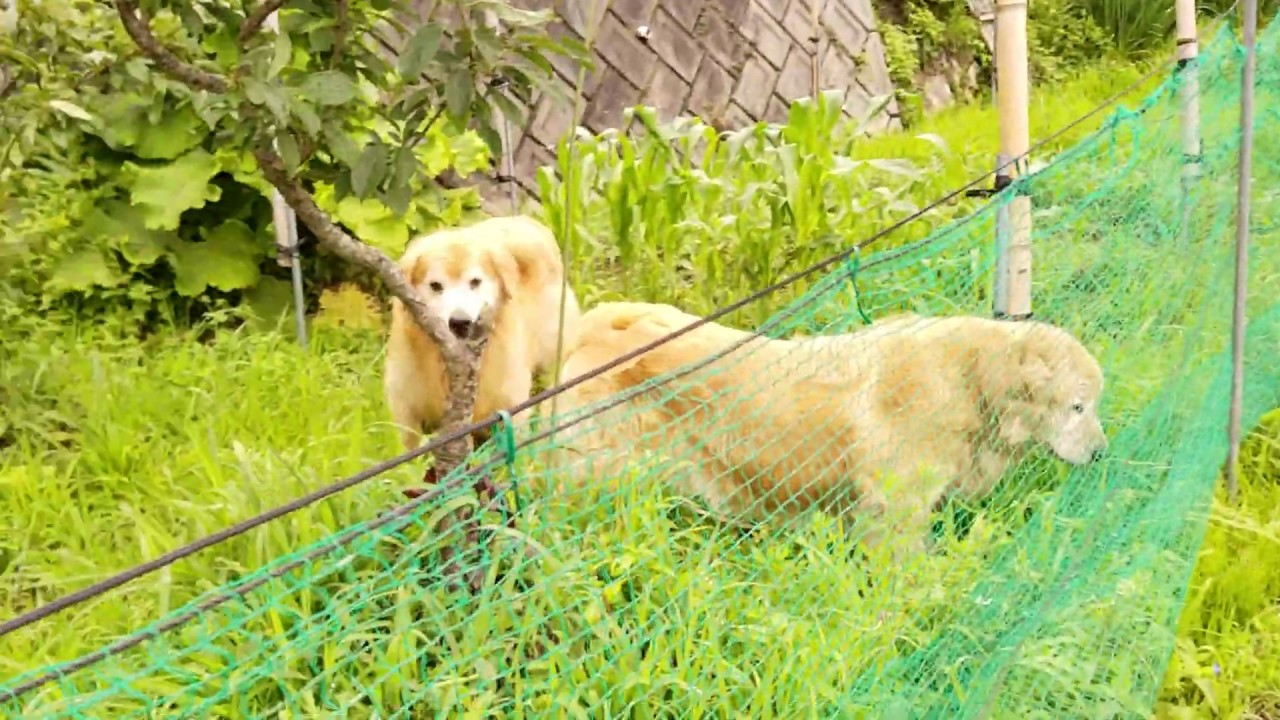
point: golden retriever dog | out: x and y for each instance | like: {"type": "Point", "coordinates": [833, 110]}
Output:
{"type": "Point", "coordinates": [503, 276]}
{"type": "Point", "coordinates": [896, 417]}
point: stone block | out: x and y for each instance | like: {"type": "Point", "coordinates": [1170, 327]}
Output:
{"type": "Point", "coordinates": [843, 27]}
{"type": "Point", "coordinates": [796, 79]}
{"type": "Point", "coordinates": [529, 157]}
{"type": "Point", "coordinates": [675, 45]}
{"type": "Point", "coordinates": [767, 36]}
{"type": "Point", "coordinates": [667, 92]}
{"type": "Point", "coordinates": [711, 90]}
{"type": "Point", "coordinates": [736, 117]}
{"type": "Point", "coordinates": [581, 15]}
{"type": "Point", "coordinates": [837, 69]}
{"type": "Point", "coordinates": [777, 111]}
{"type": "Point", "coordinates": [634, 12]}
{"type": "Point", "coordinates": [552, 120]}
{"type": "Point", "coordinates": [733, 11]}
{"type": "Point", "coordinates": [857, 102]}
{"type": "Point", "coordinates": [684, 11]}
{"type": "Point", "coordinates": [863, 12]}
{"type": "Point", "coordinates": [775, 8]}
{"type": "Point", "coordinates": [624, 51]}
{"type": "Point", "coordinates": [721, 40]}
{"type": "Point", "coordinates": [798, 20]}
{"type": "Point", "coordinates": [755, 86]}
{"type": "Point", "coordinates": [873, 73]}
{"type": "Point", "coordinates": [615, 94]}
{"type": "Point", "coordinates": [566, 68]}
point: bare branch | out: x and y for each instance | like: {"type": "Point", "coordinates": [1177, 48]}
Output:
{"type": "Point", "coordinates": [139, 28]}
{"type": "Point", "coordinates": [253, 23]}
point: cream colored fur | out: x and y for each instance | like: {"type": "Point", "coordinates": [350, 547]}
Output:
{"type": "Point", "coordinates": [893, 418]}
{"type": "Point", "coordinates": [507, 274]}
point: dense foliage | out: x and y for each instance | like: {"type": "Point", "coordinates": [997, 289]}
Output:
{"type": "Point", "coordinates": [123, 188]}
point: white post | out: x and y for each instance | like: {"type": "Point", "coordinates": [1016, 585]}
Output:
{"type": "Point", "coordinates": [1012, 101]}
{"type": "Point", "coordinates": [1189, 94]}
{"type": "Point", "coordinates": [286, 225]}
{"type": "Point", "coordinates": [1249, 11]}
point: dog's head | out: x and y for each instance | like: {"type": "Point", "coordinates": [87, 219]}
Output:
{"type": "Point", "coordinates": [462, 284]}
{"type": "Point", "coordinates": [1046, 390]}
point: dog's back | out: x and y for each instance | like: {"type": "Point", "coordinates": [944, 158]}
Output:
{"type": "Point", "coordinates": [754, 425]}
{"type": "Point", "coordinates": [542, 276]}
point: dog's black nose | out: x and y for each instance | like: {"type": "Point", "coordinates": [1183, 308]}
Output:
{"type": "Point", "coordinates": [460, 327]}
{"type": "Point", "coordinates": [1098, 454]}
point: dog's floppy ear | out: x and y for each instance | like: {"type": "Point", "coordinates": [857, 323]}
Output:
{"type": "Point", "coordinates": [1032, 365]}
{"type": "Point", "coordinates": [504, 267]}
{"type": "Point", "coordinates": [414, 267]}
{"type": "Point", "coordinates": [1011, 374]}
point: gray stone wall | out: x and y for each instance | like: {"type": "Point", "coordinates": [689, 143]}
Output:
{"type": "Point", "coordinates": [730, 62]}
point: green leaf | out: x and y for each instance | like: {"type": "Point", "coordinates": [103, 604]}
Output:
{"type": "Point", "coordinates": [281, 56]}
{"type": "Point", "coordinates": [344, 149]}
{"type": "Point", "coordinates": [470, 153]}
{"type": "Point", "coordinates": [124, 119]}
{"type": "Point", "coordinates": [419, 51]}
{"type": "Point", "coordinates": [267, 303]}
{"type": "Point", "coordinates": [71, 109]}
{"type": "Point", "coordinates": [164, 192]}
{"type": "Point", "coordinates": [491, 139]}
{"type": "Point", "coordinates": [120, 225]}
{"type": "Point", "coordinates": [369, 219]}
{"type": "Point", "coordinates": [224, 46]}
{"type": "Point", "coordinates": [227, 259]}
{"type": "Point", "coordinates": [177, 132]}
{"type": "Point", "coordinates": [289, 152]}
{"type": "Point", "coordinates": [369, 169]}
{"type": "Point", "coordinates": [83, 269]}
{"type": "Point", "coordinates": [329, 87]}
{"type": "Point", "coordinates": [458, 93]}
{"type": "Point", "coordinates": [244, 168]}
{"type": "Point", "coordinates": [307, 116]}
{"type": "Point", "coordinates": [261, 93]}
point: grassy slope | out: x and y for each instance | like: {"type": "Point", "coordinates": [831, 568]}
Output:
{"type": "Point", "coordinates": [124, 451]}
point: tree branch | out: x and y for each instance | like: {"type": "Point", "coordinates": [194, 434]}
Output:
{"type": "Point", "coordinates": [340, 33]}
{"type": "Point", "coordinates": [253, 23]}
{"type": "Point", "coordinates": [139, 28]}
{"type": "Point", "coordinates": [461, 359]}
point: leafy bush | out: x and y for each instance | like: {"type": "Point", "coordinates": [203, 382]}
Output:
{"type": "Point", "coordinates": [124, 189]}
{"type": "Point", "coordinates": [705, 218]}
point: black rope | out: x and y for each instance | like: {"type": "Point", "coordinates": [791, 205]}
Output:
{"type": "Point", "coordinates": [240, 528]}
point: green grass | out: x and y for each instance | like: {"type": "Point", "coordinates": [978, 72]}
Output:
{"type": "Point", "coordinates": [115, 451]}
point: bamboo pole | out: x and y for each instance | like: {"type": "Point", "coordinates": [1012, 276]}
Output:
{"type": "Point", "coordinates": [1012, 101]}
{"type": "Point", "coordinates": [1188, 52]}
{"type": "Point", "coordinates": [1249, 12]}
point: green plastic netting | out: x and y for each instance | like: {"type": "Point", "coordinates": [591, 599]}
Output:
{"type": "Point", "coordinates": [1056, 597]}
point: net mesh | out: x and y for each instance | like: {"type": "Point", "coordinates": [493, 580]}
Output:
{"type": "Point", "coordinates": [1055, 596]}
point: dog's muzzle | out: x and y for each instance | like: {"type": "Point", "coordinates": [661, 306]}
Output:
{"type": "Point", "coordinates": [463, 327]}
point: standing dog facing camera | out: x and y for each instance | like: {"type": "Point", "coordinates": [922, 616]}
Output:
{"type": "Point", "coordinates": [502, 276]}
{"type": "Point", "coordinates": [883, 424]}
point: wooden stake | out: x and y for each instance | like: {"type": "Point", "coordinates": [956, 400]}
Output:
{"type": "Point", "coordinates": [1249, 11]}
{"type": "Point", "coordinates": [1012, 101]}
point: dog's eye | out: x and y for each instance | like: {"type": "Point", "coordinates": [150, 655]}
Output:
{"type": "Point", "coordinates": [475, 283]}
{"type": "Point", "coordinates": [1078, 407]}
{"type": "Point", "coordinates": [436, 287]}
